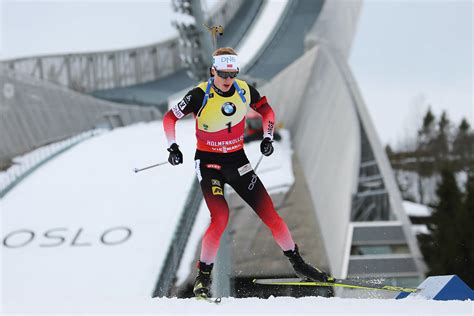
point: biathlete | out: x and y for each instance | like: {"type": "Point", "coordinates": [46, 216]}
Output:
{"type": "Point", "coordinates": [219, 106]}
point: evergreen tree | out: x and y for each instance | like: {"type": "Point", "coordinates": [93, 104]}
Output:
{"type": "Point", "coordinates": [440, 144]}
{"type": "Point", "coordinates": [465, 227]}
{"type": "Point", "coordinates": [440, 247]}
{"type": "Point", "coordinates": [424, 150]}
{"type": "Point", "coordinates": [427, 132]}
{"type": "Point", "coordinates": [463, 145]}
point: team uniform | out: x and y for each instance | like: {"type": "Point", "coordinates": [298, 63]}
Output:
{"type": "Point", "coordinates": [220, 157]}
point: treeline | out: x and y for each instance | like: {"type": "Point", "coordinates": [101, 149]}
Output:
{"type": "Point", "coordinates": [439, 145]}
{"type": "Point", "coordinates": [445, 150]}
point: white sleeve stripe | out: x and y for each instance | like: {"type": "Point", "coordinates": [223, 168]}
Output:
{"type": "Point", "coordinates": [177, 112]}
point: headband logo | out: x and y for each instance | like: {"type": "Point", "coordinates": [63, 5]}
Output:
{"type": "Point", "coordinates": [225, 62]}
{"type": "Point", "coordinates": [227, 59]}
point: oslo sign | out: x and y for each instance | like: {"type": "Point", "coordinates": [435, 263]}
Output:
{"type": "Point", "coordinates": [61, 236]}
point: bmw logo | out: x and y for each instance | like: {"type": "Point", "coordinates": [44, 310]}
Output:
{"type": "Point", "coordinates": [228, 109]}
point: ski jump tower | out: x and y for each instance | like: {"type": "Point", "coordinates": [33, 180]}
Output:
{"type": "Point", "coordinates": [365, 230]}
{"type": "Point", "coordinates": [361, 226]}
{"type": "Point", "coordinates": [302, 68]}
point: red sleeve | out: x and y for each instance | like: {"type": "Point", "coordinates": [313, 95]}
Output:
{"type": "Point", "coordinates": [169, 124]}
{"type": "Point", "coordinates": [268, 116]}
{"type": "Point", "coordinates": [190, 103]}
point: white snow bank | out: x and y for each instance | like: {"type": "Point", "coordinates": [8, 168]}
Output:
{"type": "Point", "coordinates": [416, 209]}
{"type": "Point", "coordinates": [85, 226]}
{"type": "Point", "coordinates": [419, 229]}
{"type": "Point", "coordinates": [254, 306]}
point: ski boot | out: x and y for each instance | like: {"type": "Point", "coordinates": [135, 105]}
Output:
{"type": "Point", "coordinates": [202, 283]}
{"type": "Point", "coordinates": [305, 271]}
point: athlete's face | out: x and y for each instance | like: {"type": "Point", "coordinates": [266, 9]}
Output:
{"type": "Point", "coordinates": [223, 83]}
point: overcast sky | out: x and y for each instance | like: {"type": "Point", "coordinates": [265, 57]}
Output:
{"type": "Point", "coordinates": [406, 53]}
{"type": "Point", "coordinates": [411, 54]}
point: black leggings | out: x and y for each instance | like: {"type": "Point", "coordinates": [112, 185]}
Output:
{"type": "Point", "coordinates": [238, 173]}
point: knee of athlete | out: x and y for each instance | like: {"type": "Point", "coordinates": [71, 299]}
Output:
{"type": "Point", "coordinates": [273, 221]}
{"type": "Point", "coordinates": [220, 222]}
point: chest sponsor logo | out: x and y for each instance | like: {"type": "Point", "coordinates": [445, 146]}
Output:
{"type": "Point", "coordinates": [205, 126]}
{"type": "Point", "coordinates": [217, 191]}
{"type": "Point", "coordinates": [245, 169]}
{"type": "Point", "coordinates": [215, 182]}
{"type": "Point", "coordinates": [213, 166]}
{"type": "Point", "coordinates": [228, 109]}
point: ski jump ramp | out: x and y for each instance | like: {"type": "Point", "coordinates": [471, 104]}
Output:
{"type": "Point", "coordinates": [334, 141]}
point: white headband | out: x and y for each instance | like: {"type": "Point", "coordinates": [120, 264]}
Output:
{"type": "Point", "coordinates": [223, 62]}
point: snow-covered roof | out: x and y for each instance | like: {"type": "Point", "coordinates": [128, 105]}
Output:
{"type": "Point", "coordinates": [420, 229]}
{"type": "Point", "coordinates": [416, 209]}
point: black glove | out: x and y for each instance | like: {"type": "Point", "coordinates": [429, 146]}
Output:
{"type": "Point", "coordinates": [176, 156]}
{"type": "Point", "coordinates": [266, 146]}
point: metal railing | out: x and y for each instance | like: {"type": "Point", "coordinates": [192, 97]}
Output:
{"type": "Point", "coordinates": [27, 164]}
{"type": "Point", "coordinates": [87, 72]}
{"type": "Point", "coordinates": [35, 112]}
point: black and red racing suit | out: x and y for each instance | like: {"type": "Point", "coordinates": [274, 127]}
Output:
{"type": "Point", "coordinates": [220, 157]}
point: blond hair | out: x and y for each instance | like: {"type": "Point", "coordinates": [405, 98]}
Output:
{"type": "Point", "coordinates": [224, 51]}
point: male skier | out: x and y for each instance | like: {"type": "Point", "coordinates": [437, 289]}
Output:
{"type": "Point", "coordinates": [219, 106]}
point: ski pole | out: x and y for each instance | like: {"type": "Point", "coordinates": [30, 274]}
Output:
{"type": "Point", "coordinates": [149, 167]}
{"type": "Point", "coordinates": [258, 163]}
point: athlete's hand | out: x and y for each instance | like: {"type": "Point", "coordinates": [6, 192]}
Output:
{"type": "Point", "coordinates": [266, 146]}
{"type": "Point", "coordinates": [175, 157]}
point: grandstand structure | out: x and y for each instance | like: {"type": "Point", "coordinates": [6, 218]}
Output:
{"type": "Point", "coordinates": [344, 207]}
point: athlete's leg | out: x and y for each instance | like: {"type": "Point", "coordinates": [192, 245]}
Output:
{"type": "Point", "coordinates": [251, 189]}
{"type": "Point", "coordinates": [212, 186]}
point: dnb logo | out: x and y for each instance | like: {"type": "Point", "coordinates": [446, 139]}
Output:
{"type": "Point", "coordinates": [228, 59]}
{"type": "Point", "coordinates": [228, 109]}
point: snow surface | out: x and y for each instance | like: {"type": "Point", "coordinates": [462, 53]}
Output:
{"type": "Point", "coordinates": [72, 200]}
{"type": "Point", "coordinates": [416, 209]}
{"type": "Point", "coordinates": [255, 306]}
{"type": "Point", "coordinates": [92, 187]}
{"type": "Point", "coordinates": [419, 229]}
{"type": "Point", "coordinates": [81, 194]}
{"type": "Point", "coordinates": [261, 31]}
{"type": "Point", "coordinates": [423, 189]}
